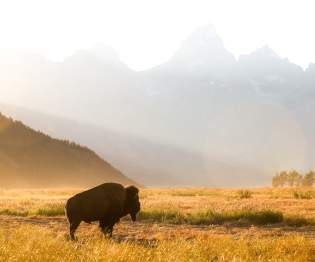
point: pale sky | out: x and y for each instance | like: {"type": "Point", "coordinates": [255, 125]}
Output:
{"type": "Point", "coordinates": [146, 33]}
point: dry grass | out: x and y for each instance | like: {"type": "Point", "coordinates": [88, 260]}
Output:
{"type": "Point", "coordinates": [178, 205]}
{"type": "Point", "coordinates": [178, 225]}
{"type": "Point", "coordinates": [33, 243]}
{"type": "Point", "coordinates": [211, 217]}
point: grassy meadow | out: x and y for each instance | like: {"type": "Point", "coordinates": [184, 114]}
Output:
{"type": "Point", "coordinates": [181, 224]}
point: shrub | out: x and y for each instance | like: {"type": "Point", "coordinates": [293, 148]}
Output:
{"type": "Point", "coordinates": [303, 195]}
{"type": "Point", "coordinates": [295, 220]}
{"type": "Point", "coordinates": [244, 194]}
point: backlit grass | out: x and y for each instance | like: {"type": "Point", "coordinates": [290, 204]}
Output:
{"type": "Point", "coordinates": [184, 206]}
{"type": "Point", "coordinates": [45, 210]}
{"type": "Point", "coordinates": [197, 224]}
{"type": "Point", "coordinates": [209, 217]}
{"type": "Point", "coordinates": [33, 243]}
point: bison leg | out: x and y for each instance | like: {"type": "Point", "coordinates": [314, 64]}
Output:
{"type": "Point", "coordinates": [107, 227]}
{"type": "Point", "coordinates": [73, 226]}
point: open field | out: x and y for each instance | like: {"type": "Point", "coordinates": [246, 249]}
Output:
{"type": "Point", "coordinates": [174, 225]}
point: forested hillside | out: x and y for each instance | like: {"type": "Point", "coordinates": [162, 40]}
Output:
{"type": "Point", "coordinates": [30, 158]}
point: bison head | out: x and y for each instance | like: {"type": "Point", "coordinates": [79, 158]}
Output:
{"type": "Point", "coordinates": [132, 204]}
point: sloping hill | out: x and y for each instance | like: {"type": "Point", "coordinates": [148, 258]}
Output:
{"type": "Point", "coordinates": [30, 158]}
{"type": "Point", "coordinates": [144, 160]}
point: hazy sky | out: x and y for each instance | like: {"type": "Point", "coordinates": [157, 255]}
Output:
{"type": "Point", "coordinates": [146, 33]}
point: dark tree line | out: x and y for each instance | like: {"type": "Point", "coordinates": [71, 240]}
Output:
{"type": "Point", "coordinates": [31, 158]}
{"type": "Point", "coordinates": [293, 179]}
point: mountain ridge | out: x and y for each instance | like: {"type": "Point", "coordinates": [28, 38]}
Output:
{"type": "Point", "coordinates": [31, 158]}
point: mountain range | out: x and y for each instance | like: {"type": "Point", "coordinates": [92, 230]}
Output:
{"type": "Point", "coordinates": [201, 118]}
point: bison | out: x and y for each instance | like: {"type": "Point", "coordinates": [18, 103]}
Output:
{"type": "Point", "coordinates": [106, 203]}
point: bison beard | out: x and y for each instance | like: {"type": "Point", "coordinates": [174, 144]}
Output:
{"type": "Point", "coordinates": [106, 203]}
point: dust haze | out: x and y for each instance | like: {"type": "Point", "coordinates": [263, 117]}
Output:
{"type": "Point", "coordinates": [211, 114]}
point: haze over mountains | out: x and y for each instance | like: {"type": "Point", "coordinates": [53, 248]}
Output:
{"type": "Point", "coordinates": [201, 118]}
{"type": "Point", "coordinates": [29, 158]}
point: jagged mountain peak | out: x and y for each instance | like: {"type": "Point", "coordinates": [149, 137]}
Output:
{"type": "Point", "coordinates": [265, 62]}
{"type": "Point", "coordinates": [99, 53]}
{"type": "Point", "coordinates": [310, 68]}
{"type": "Point", "coordinates": [202, 42]}
{"type": "Point", "coordinates": [106, 53]}
{"type": "Point", "coordinates": [202, 54]}
{"type": "Point", "coordinates": [204, 35]}
{"type": "Point", "coordinates": [265, 51]}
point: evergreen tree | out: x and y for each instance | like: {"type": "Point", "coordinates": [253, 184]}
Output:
{"type": "Point", "coordinates": [308, 179]}
{"type": "Point", "coordinates": [293, 178]}
{"type": "Point", "coordinates": [276, 180]}
{"type": "Point", "coordinates": [283, 178]}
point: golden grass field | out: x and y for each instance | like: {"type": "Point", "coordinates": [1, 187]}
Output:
{"type": "Point", "coordinates": [262, 224]}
